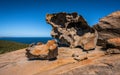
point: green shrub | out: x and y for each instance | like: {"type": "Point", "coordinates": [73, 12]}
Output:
{"type": "Point", "coordinates": [8, 46]}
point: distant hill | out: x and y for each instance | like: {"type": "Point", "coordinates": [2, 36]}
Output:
{"type": "Point", "coordinates": [8, 46]}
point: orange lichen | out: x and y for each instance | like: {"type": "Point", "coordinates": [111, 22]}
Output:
{"type": "Point", "coordinates": [50, 42]}
{"type": "Point", "coordinates": [54, 46]}
{"type": "Point", "coordinates": [48, 17]}
{"type": "Point", "coordinates": [115, 41]}
{"type": "Point", "coordinates": [41, 49]}
{"type": "Point", "coordinates": [44, 48]}
{"type": "Point", "coordinates": [36, 52]}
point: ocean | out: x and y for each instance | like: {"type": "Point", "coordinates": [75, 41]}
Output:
{"type": "Point", "coordinates": [27, 40]}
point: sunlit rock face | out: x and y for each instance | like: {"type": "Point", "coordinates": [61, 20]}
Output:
{"type": "Point", "coordinates": [108, 27]}
{"type": "Point", "coordinates": [113, 46]}
{"type": "Point", "coordinates": [71, 29]}
{"type": "Point", "coordinates": [43, 51]}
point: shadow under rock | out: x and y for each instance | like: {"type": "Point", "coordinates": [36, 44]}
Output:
{"type": "Point", "coordinates": [33, 59]}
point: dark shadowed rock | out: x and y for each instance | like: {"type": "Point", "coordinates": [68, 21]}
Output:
{"type": "Point", "coordinates": [32, 44]}
{"type": "Point", "coordinates": [43, 51]}
{"type": "Point", "coordinates": [108, 27]}
{"type": "Point", "coordinates": [71, 29]}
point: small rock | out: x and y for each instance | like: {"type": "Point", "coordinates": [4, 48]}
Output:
{"type": "Point", "coordinates": [79, 56]}
{"type": "Point", "coordinates": [113, 51]}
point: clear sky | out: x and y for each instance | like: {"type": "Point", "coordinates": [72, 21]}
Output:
{"type": "Point", "coordinates": [26, 18]}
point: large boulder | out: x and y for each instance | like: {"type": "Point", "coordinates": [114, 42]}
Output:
{"type": "Point", "coordinates": [108, 27]}
{"type": "Point", "coordinates": [71, 29]}
{"type": "Point", "coordinates": [43, 51]}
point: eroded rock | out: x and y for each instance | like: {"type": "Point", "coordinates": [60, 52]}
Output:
{"type": "Point", "coordinates": [79, 56]}
{"type": "Point", "coordinates": [108, 27]}
{"type": "Point", "coordinates": [71, 29]}
{"type": "Point", "coordinates": [113, 46]}
{"type": "Point", "coordinates": [43, 51]}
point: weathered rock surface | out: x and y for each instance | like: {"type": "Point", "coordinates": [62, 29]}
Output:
{"type": "Point", "coordinates": [113, 46]}
{"type": "Point", "coordinates": [115, 42]}
{"type": "Point", "coordinates": [108, 27]}
{"type": "Point", "coordinates": [107, 65]}
{"type": "Point", "coordinates": [43, 51]}
{"type": "Point", "coordinates": [72, 29]}
{"type": "Point", "coordinates": [15, 63]}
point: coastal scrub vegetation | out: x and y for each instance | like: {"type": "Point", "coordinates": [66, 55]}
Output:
{"type": "Point", "coordinates": [8, 46]}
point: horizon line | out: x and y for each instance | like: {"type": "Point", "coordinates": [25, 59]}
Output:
{"type": "Point", "coordinates": [24, 36]}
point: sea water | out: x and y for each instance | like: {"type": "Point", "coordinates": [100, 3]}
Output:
{"type": "Point", "coordinates": [27, 40]}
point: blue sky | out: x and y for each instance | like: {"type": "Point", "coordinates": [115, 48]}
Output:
{"type": "Point", "coordinates": [26, 18]}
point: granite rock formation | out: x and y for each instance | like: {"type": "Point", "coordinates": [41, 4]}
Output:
{"type": "Point", "coordinates": [72, 30]}
{"type": "Point", "coordinates": [108, 27]}
{"type": "Point", "coordinates": [43, 51]}
{"type": "Point", "coordinates": [70, 61]}
{"type": "Point", "coordinates": [113, 46]}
